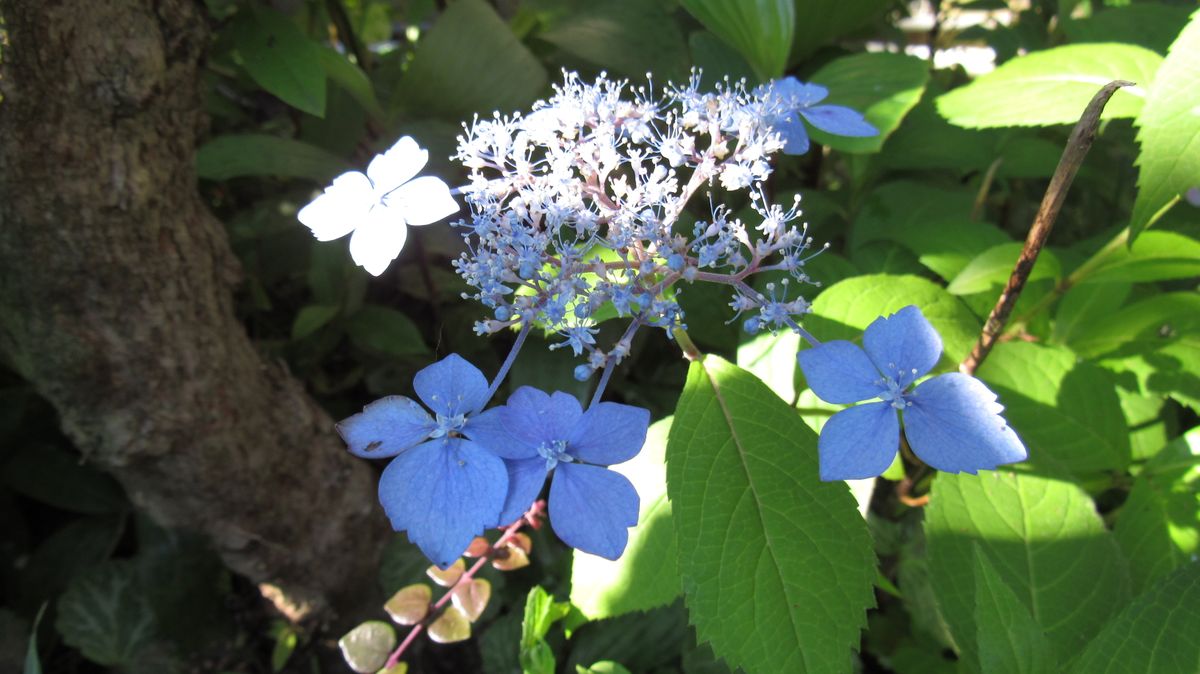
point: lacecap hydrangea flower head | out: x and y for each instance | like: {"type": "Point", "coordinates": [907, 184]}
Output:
{"type": "Point", "coordinates": [952, 421]}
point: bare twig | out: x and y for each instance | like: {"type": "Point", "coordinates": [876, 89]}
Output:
{"type": "Point", "coordinates": [1077, 148]}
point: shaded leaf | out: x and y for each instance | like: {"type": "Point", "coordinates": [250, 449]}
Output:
{"type": "Point", "coordinates": [882, 86]}
{"type": "Point", "coordinates": [352, 79]}
{"type": "Point", "coordinates": [60, 478]}
{"type": "Point", "coordinates": [280, 58]}
{"type": "Point", "coordinates": [1053, 86]}
{"type": "Point", "coordinates": [819, 22]}
{"type": "Point", "coordinates": [1008, 638]}
{"type": "Point", "coordinates": [631, 37]}
{"type": "Point", "coordinates": [777, 566]}
{"type": "Point", "coordinates": [761, 30]}
{"type": "Point", "coordinates": [312, 318]}
{"type": "Point", "coordinates": [238, 155]}
{"type": "Point", "coordinates": [385, 331]}
{"type": "Point", "coordinates": [105, 614]}
{"type": "Point", "coordinates": [1151, 25]}
{"type": "Point", "coordinates": [645, 576]}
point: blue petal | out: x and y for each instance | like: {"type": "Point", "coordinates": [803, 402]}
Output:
{"type": "Point", "coordinates": [525, 480]}
{"type": "Point", "coordinates": [443, 493]}
{"type": "Point", "coordinates": [386, 427]}
{"type": "Point", "coordinates": [859, 442]}
{"type": "Point", "coordinates": [953, 423]}
{"type": "Point", "coordinates": [487, 430]}
{"type": "Point", "coordinates": [904, 345]}
{"type": "Point", "coordinates": [795, 136]}
{"type": "Point", "coordinates": [591, 508]}
{"type": "Point", "coordinates": [839, 120]}
{"type": "Point", "coordinates": [609, 433]}
{"type": "Point", "coordinates": [452, 386]}
{"type": "Point", "coordinates": [840, 372]}
{"type": "Point", "coordinates": [799, 94]}
{"type": "Point", "coordinates": [533, 417]}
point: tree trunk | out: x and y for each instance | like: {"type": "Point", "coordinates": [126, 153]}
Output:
{"type": "Point", "coordinates": [116, 300]}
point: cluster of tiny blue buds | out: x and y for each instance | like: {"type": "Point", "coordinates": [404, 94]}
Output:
{"type": "Point", "coordinates": [575, 209]}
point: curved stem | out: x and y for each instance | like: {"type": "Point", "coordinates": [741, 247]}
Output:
{"type": "Point", "coordinates": [611, 364]}
{"type": "Point", "coordinates": [512, 356]}
{"type": "Point", "coordinates": [690, 351]}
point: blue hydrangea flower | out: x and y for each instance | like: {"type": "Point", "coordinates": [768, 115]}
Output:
{"type": "Point", "coordinates": [591, 507]}
{"type": "Point", "coordinates": [952, 421]}
{"type": "Point", "coordinates": [797, 99]}
{"type": "Point", "coordinates": [443, 488]}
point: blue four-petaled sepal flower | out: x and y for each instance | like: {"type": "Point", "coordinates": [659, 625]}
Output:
{"type": "Point", "coordinates": [799, 100]}
{"type": "Point", "coordinates": [952, 421]}
{"type": "Point", "coordinates": [591, 507]}
{"type": "Point", "coordinates": [443, 488]}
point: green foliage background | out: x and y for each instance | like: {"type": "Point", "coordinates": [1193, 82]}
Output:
{"type": "Point", "coordinates": [1082, 559]}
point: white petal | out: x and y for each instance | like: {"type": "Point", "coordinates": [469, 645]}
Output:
{"type": "Point", "coordinates": [396, 166]}
{"type": "Point", "coordinates": [378, 240]}
{"type": "Point", "coordinates": [423, 201]}
{"type": "Point", "coordinates": [341, 208]}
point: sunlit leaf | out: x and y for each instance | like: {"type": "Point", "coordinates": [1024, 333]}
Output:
{"type": "Point", "coordinates": [449, 576]}
{"type": "Point", "coordinates": [450, 627]}
{"type": "Point", "coordinates": [882, 86]}
{"type": "Point", "coordinates": [761, 30]}
{"type": "Point", "coordinates": [472, 598]}
{"type": "Point", "coordinates": [366, 647]}
{"type": "Point", "coordinates": [410, 605]}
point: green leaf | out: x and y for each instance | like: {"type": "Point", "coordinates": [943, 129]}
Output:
{"type": "Point", "coordinates": [1053, 86]}
{"type": "Point", "coordinates": [772, 358]}
{"type": "Point", "coordinates": [1158, 527]}
{"type": "Point", "coordinates": [366, 648]}
{"type": "Point", "coordinates": [643, 642]}
{"type": "Point", "coordinates": [541, 611]}
{"type": "Point", "coordinates": [819, 22]}
{"type": "Point", "coordinates": [312, 318]}
{"type": "Point", "coordinates": [882, 86]}
{"type": "Point", "coordinates": [994, 266]}
{"type": "Point", "coordinates": [385, 331]}
{"type": "Point", "coordinates": [1173, 369]}
{"type": "Point", "coordinates": [238, 155]}
{"type": "Point", "coordinates": [60, 478]}
{"type": "Point", "coordinates": [1062, 408]}
{"type": "Point", "coordinates": [497, 72]}
{"type": "Point", "coordinates": [761, 30]}
{"type": "Point", "coordinates": [846, 308]}
{"type": "Point", "coordinates": [78, 546]}
{"type": "Point", "coordinates": [1008, 638]}
{"type": "Point", "coordinates": [1149, 24]}
{"type": "Point", "coordinates": [1045, 541]}
{"type": "Point", "coordinates": [645, 576]}
{"type": "Point", "coordinates": [777, 566]}
{"type": "Point", "coordinates": [280, 58]}
{"type": "Point", "coordinates": [630, 37]}
{"type": "Point", "coordinates": [1155, 256]}
{"type": "Point", "coordinates": [1087, 305]}
{"type": "Point", "coordinates": [933, 223]}
{"type": "Point", "coordinates": [602, 667]}
{"type": "Point", "coordinates": [1155, 634]}
{"type": "Point", "coordinates": [1141, 327]}
{"type": "Point", "coordinates": [105, 614]}
{"type": "Point", "coordinates": [1169, 131]}
{"type": "Point", "coordinates": [717, 60]}
{"type": "Point", "coordinates": [353, 80]}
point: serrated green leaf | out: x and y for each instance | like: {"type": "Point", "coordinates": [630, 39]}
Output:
{"type": "Point", "coordinates": [1158, 527]}
{"type": "Point", "coordinates": [1169, 131]}
{"type": "Point", "coordinates": [777, 566]}
{"type": "Point", "coordinates": [1053, 86]}
{"type": "Point", "coordinates": [994, 266]}
{"type": "Point", "coordinates": [1149, 24]}
{"type": "Point", "coordinates": [280, 58]}
{"type": "Point", "coordinates": [497, 72]}
{"type": "Point", "coordinates": [238, 155]}
{"type": "Point", "coordinates": [1044, 539]}
{"type": "Point", "coordinates": [630, 37]}
{"type": "Point", "coordinates": [1155, 634]}
{"type": "Point", "coordinates": [881, 85]}
{"type": "Point", "coordinates": [761, 30]}
{"type": "Point", "coordinates": [846, 308]}
{"type": "Point", "coordinates": [1173, 369]}
{"type": "Point", "coordinates": [1007, 637]}
{"type": "Point", "coordinates": [312, 318]}
{"type": "Point", "coordinates": [645, 576]}
{"type": "Point", "coordinates": [1063, 409]}
{"type": "Point", "coordinates": [1155, 256]}
{"type": "Point", "coordinates": [105, 614]}
{"type": "Point", "coordinates": [385, 331]}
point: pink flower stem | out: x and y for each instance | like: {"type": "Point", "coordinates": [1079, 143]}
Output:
{"type": "Point", "coordinates": [530, 517]}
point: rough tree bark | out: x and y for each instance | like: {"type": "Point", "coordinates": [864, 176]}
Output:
{"type": "Point", "coordinates": [116, 300]}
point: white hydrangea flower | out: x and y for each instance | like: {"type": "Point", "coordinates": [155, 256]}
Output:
{"type": "Point", "coordinates": [379, 206]}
